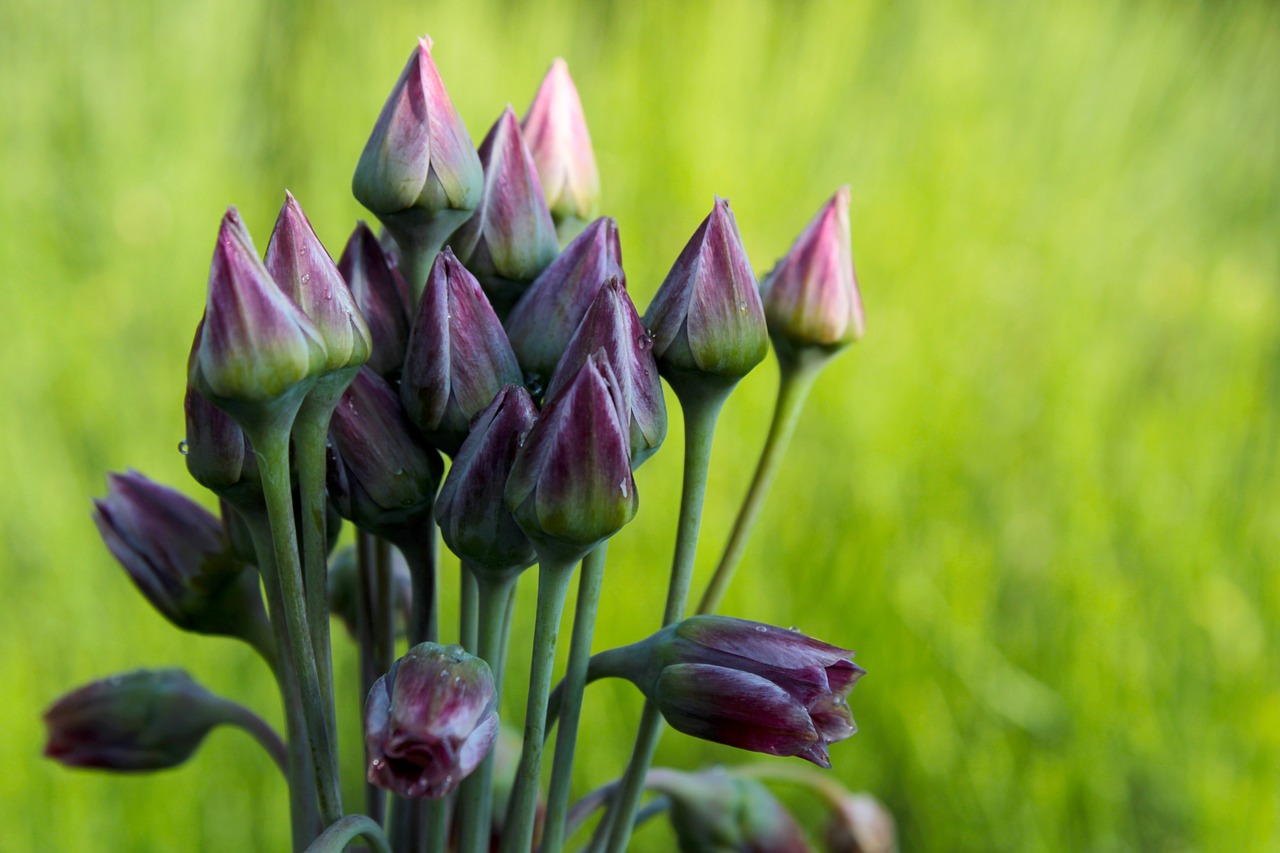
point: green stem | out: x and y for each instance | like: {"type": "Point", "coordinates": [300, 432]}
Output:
{"type": "Point", "coordinates": [242, 718]}
{"type": "Point", "coordinates": [468, 611]}
{"type": "Point", "coordinates": [336, 838]}
{"type": "Point", "coordinates": [437, 820]}
{"type": "Point", "coordinates": [793, 388]}
{"type": "Point", "coordinates": [573, 686]}
{"type": "Point", "coordinates": [367, 629]}
{"type": "Point", "coordinates": [553, 583]}
{"type": "Point", "coordinates": [700, 414]}
{"type": "Point", "coordinates": [831, 790]}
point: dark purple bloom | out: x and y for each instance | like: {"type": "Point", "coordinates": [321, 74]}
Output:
{"type": "Point", "coordinates": [612, 326]}
{"type": "Point", "coordinates": [474, 520]}
{"type": "Point", "coordinates": [556, 131]}
{"type": "Point", "coordinates": [217, 451]}
{"type": "Point", "coordinates": [430, 721]}
{"type": "Point", "coordinates": [717, 812]}
{"type": "Point", "coordinates": [382, 297]}
{"type": "Point", "coordinates": [706, 317]}
{"type": "Point", "coordinates": [546, 316]}
{"type": "Point", "coordinates": [458, 356]}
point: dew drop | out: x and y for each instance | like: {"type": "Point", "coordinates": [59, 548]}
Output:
{"type": "Point", "coordinates": [400, 472]}
{"type": "Point", "coordinates": [457, 679]}
{"type": "Point", "coordinates": [183, 447]}
{"type": "Point", "coordinates": [793, 629]}
{"type": "Point", "coordinates": [623, 488]}
{"type": "Point", "coordinates": [762, 629]}
{"type": "Point", "coordinates": [645, 341]}
{"type": "Point", "coordinates": [306, 278]}
{"type": "Point", "coordinates": [521, 438]}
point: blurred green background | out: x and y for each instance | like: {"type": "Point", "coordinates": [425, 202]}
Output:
{"type": "Point", "coordinates": [1041, 498]}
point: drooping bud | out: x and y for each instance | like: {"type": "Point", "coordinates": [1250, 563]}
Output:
{"type": "Point", "coordinates": [255, 344]}
{"type": "Point", "coordinates": [177, 555]}
{"type": "Point", "coordinates": [511, 237]}
{"type": "Point", "coordinates": [556, 132]}
{"type": "Point", "coordinates": [458, 356]}
{"type": "Point", "coordinates": [717, 812]}
{"type": "Point", "coordinates": [474, 520]}
{"type": "Point", "coordinates": [861, 824]}
{"type": "Point", "coordinates": [546, 316]}
{"type": "Point", "coordinates": [142, 720]}
{"type": "Point", "coordinates": [383, 473]}
{"type": "Point", "coordinates": [419, 173]}
{"type": "Point", "coordinates": [217, 451]}
{"type": "Point", "coordinates": [382, 297]}
{"type": "Point", "coordinates": [811, 298]}
{"type": "Point", "coordinates": [612, 326]}
{"type": "Point", "coordinates": [571, 485]}
{"type": "Point", "coordinates": [430, 721]}
{"type": "Point", "coordinates": [303, 269]}
{"type": "Point", "coordinates": [343, 595]}
{"type": "Point", "coordinates": [744, 684]}
{"type": "Point", "coordinates": [706, 318]}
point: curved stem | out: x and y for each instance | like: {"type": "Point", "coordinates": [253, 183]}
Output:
{"type": "Point", "coordinates": [793, 389]}
{"type": "Point", "coordinates": [553, 583]}
{"type": "Point", "coordinates": [830, 790]}
{"type": "Point", "coordinates": [336, 838]}
{"type": "Point", "coordinates": [573, 686]}
{"type": "Point", "coordinates": [242, 718]}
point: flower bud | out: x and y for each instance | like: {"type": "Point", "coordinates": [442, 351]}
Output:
{"type": "Point", "coordinates": [716, 812]}
{"type": "Point", "coordinates": [217, 451]}
{"type": "Point", "coordinates": [811, 296]}
{"type": "Point", "coordinates": [511, 237]}
{"type": "Point", "coordinates": [612, 326]}
{"type": "Point", "coordinates": [474, 520]}
{"type": "Point", "coordinates": [458, 356]}
{"type": "Point", "coordinates": [861, 824]}
{"type": "Point", "coordinates": [384, 472]}
{"type": "Point", "coordinates": [744, 684]}
{"type": "Point", "coordinates": [706, 318]}
{"type": "Point", "coordinates": [430, 721]}
{"type": "Point", "coordinates": [381, 295]}
{"type": "Point", "coordinates": [254, 344]}
{"type": "Point", "coordinates": [142, 720]}
{"type": "Point", "coordinates": [303, 269]}
{"type": "Point", "coordinates": [177, 555]}
{"type": "Point", "coordinates": [571, 485]}
{"type": "Point", "coordinates": [556, 132]}
{"type": "Point", "coordinates": [343, 595]}
{"type": "Point", "coordinates": [546, 316]}
{"type": "Point", "coordinates": [419, 173]}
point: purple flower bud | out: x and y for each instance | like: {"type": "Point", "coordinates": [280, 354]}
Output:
{"type": "Point", "coordinates": [255, 344]}
{"type": "Point", "coordinates": [556, 131]}
{"type": "Point", "coordinates": [546, 316]}
{"type": "Point", "coordinates": [430, 721]}
{"type": "Point", "coordinates": [217, 451]}
{"type": "Point", "coordinates": [716, 811]}
{"type": "Point", "coordinates": [384, 472]}
{"type": "Point", "coordinates": [178, 556]}
{"type": "Point", "coordinates": [511, 237]}
{"type": "Point", "coordinates": [571, 484]}
{"type": "Point", "coordinates": [474, 519]}
{"type": "Point", "coordinates": [706, 317]}
{"type": "Point", "coordinates": [811, 297]}
{"type": "Point", "coordinates": [419, 172]}
{"type": "Point", "coordinates": [861, 824]}
{"type": "Point", "coordinates": [382, 297]}
{"type": "Point", "coordinates": [142, 720]}
{"type": "Point", "coordinates": [611, 325]}
{"type": "Point", "coordinates": [458, 356]}
{"type": "Point", "coordinates": [744, 684]}
{"type": "Point", "coordinates": [303, 269]}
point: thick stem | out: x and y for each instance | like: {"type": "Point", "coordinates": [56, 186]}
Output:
{"type": "Point", "coordinates": [336, 838]}
{"type": "Point", "coordinates": [384, 626]}
{"type": "Point", "coordinates": [553, 583]}
{"type": "Point", "coordinates": [437, 825]}
{"type": "Point", "coordinates": [468, 611]}
{"type": "Point", "coordinates": [366, 630]}
{"type": "Point", "coordinates": [418, 544]}
{"type": "Point", "coordinates": [700, 414]}
{"type": "Point", "coordinates": [590, 580]}
{"type": "Point", "coordinates": [793, 388]}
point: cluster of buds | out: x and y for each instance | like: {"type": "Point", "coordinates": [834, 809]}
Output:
{"type": "Point", "coordinates": [322, 391]}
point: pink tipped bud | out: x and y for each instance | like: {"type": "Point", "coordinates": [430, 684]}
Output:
{"type": "Point", "coordinates": [381, 295]}
{"type": "Point", "coordinates": [556, 131]}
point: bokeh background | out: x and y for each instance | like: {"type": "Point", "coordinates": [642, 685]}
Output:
{"type": "Point", "coordinates": [1040, 498]}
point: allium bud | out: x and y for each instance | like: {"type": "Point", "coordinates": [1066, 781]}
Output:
{"type": "Point", "coordinates": [177, 555]}
{"type": "Point", "coordinates": [861, 824]}
{"type": "Point", "coordinates": [716, 812]}
{"type": "Point", "coordinates": [474, 520]}
{"type": "Point", "coordinates": [303, 269]}
{"type": "Point", "coordinates": [744, 684]}
{"type": "Point", "coordinates": [430, 721]}
{"type": "Point", "coordinates": [571, 485]}
{"type": "Point", "coordinates": [706, 318]}
{"type": "Point", "coordinates": [382, 297]}
{"type": "Point", "coordinates": [458, 356]}
{"type": "Point", "coordinates": [612, 326]}
{"type": "Point", "coordinates": [546, 316]}
{"type": "Point", "coordinates": [511, 237]}
{"type": "Point", "coordinates": [217, 451]}
{"type": "Point", "coordinates": [556, 132]}
{"type": "Point", "coordinates": [142, 720]}
{"type": "Point", "coordinates": [384, 472]}
{"type": "Point", "coordinates": [811, 296]}
{"type": "Point", "coordinates": [254, 344]}
{"type": "Point", "coordinates": [419, 173]}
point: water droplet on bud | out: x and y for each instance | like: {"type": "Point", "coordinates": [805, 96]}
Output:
{"type": "Point", "coordinates": [183, 447]}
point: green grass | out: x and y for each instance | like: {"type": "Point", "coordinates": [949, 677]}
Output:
{"type": "Point", "coordinates": [1041, 498]}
